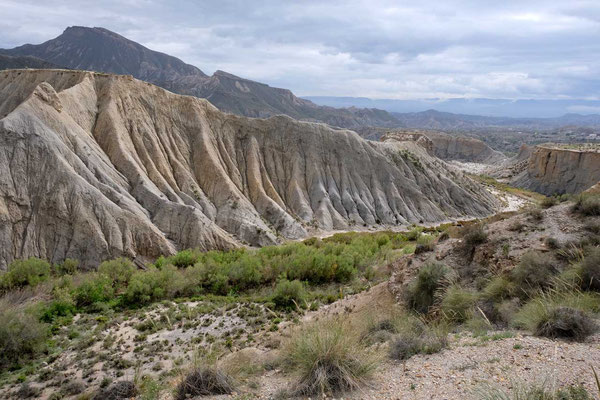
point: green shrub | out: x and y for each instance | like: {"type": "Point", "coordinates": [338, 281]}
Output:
{"type": "Point", "coordinates": [498, 289]}
{"type": "Point", "coordinates": [590, 270]}
{"type": "Point", "coordinates": [289, 294]}
{"type": "Point", "coordinates": [539, 310]}
{"type": "Point", "coordinates": [414, 233]}
{"type": "Point", "coordinates": [95, 288]}
{"type": "Point", "coordinates": [587, 204]}
{"type": "Point", "coordinates": [30, 272]}
{"type": "Point", "coordinates": [118, 270]}
{"type": "Point", "coordinates": [67, 267]}
{"type": "Point", "coordinates": [457, 304]}
{"type": "Point", "coordinates": [21, 336]}
{"type": "Point", "coordinates": [183, 259]}
{"type": "Point", "coordinates": [420, 293]}
{"type": "Point", "coordinates": [329, 358]}
{"type": "Point", "coordinates": [425, 243]}
{"type": "Point", "coordinates": [153, 285]}
{"type": "Point", "coordinates": [535, 214]}
{"type": "Point", "coordinates": [534, 271]}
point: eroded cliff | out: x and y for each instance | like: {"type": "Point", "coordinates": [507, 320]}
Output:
{"type": "Point", "coordinates": [94, 166]}
{"type": "Point", "coordinates": [554, 170]}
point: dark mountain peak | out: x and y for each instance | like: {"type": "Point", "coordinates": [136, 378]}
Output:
{"type": "Point", "coordinates": [99, 49]}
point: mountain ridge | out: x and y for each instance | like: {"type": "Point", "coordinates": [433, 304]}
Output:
{"type": "Point", "coordinates": [101, 50]}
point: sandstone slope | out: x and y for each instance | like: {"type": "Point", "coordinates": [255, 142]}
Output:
{"type": "Point", "coordinates": [96, 166]}
{"type": "Point", "coordinates": [551, 170]}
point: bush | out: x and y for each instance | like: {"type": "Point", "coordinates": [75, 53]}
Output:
{"type": "Point", "coordinates": [587, 204]}
{"type": "Point", "coordinates": [566, 323]}
{"type": "Point", "coordinates": [289, 294]}
{"type": "Point", "coordinates": [329, 357]}
{"type": "Point", "coordinates": [548, 202]}
{"type": "Point", "coordinates": [118, 270]}
{"type": "Point", "coordinates": [534, 271]}
{"type": "Point", "coordinates": [121, 390]}
{"type": "Point", "coordinates": [30, 272]}
{"type": "Point", "coordinates": [541, 310]}
{"type": "Point", "coordinates": [420, 293]}
{"type": "Point", "coordinates": [183, 259]}
{"type": "Point", "coordinates": [535, 214]}
{"type": "Point", "coordinates": [153, 285]}
{"type": "Point", "coordinates": [21, 337]}
{"type": "Point", "coordinates": [95, 288]}
{"type": "Point", "coordinates": [472, 236]}
{"type": "Point", "coordinates": [67, 267]}
{"type": "Point", "coordinates": [425, 243]}
{"type": "Point", "coordinates": [457, 304]}
{"type": "Point", "coordinates": [498, 289]}
{"type": "Point", "coordinates": [552, 243]}
{"type": "Point", "coordinates": [411, 342]}
{"type": "Point", "coordinates": [203, 382]}
{"type": "Point", "coordinates": [590, 270]}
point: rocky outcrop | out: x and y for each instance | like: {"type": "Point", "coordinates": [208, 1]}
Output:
{"type": "Point", "coordinates": [418, 138]}
{"type": "Point", "coordinates": [553, 170]}
{"type": "Point", "coordinates": [460, 148]}
{"type": "Point", "coordinates": [95, 166]}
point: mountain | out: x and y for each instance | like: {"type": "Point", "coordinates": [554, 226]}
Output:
{"type": "Point", "coordinates": [95, 166]}
{"type": "Point", "coordinates": [19, 62]}
{"type": "Point", "coordinates": [98, 49]}
{"type": "Point", "coordinates": [524, 108]}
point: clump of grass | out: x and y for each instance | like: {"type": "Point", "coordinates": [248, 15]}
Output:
{"type": "Point", "coordinates": [498, 289]}
{"type": "Point", "coordinates": [472, 236]}
{"type": "Point", "coordinates": [457, 304]}
{"type": "Point", "coordinates": [120, 390]}
{"type": "Point", "coordinates": [329, 357]}
{"type": "Point", "coordinates": [565, 323]}
{"type": "Point", "coordinates": [590, 270]}
{"type": "Point", "coordinates": [533, 392]}
{"type": "Point", "coordinates": [587, 204]}
{"type": "Point", "coordinates": [534, 271]}
{"type": "Point", "coordinates": [425, 243]}
{"type": "Point", "coordinates": [417, 339]}
{"type": "Point", "coordinates": [420, 293]}
{"type": "Point", "coordinates": [552, 243]}
{"type": "Point", "coordinates": [535, 214]}
{"type": "Point", "coordinates": [559, 314]}
{"type": "Point", "coordinates": [289, 294]}
{"type": "Point", "coordinates": [204, 381]}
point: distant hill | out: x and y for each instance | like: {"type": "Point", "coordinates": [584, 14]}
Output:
{"type": "Point", "coordinates": [98, 49]}
{"type": "Point", "coordinates": [523, 108]}
{"type": "Point", "coordinates": [18, 62]}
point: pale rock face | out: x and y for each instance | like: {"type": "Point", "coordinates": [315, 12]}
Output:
{"type": "Point", "coordinates": [94, 166]}
{"type": "Point", "coordinates": [556, 171]}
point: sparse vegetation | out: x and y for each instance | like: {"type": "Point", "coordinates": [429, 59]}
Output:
{"type": "Point", "coordinates": [533, 392]}
{"type": "Point", "coordinates": [472, 236]}
{"type": "Point", "coordinates": [329, 358]}
{"type": "Point", "coordinates": [204, 381]}
{"type": "Point", "coordinates": [421, 292]}
{"type": "Point", "coordinates": [21, 336]}
{"type": "Point", "coordinates": [534, 271]}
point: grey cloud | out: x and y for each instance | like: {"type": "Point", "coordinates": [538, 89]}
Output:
{"type": "Point", "coordinates": [374, 48]}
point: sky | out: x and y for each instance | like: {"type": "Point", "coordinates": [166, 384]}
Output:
{"type": "Point", "coordinates": [363, 48]}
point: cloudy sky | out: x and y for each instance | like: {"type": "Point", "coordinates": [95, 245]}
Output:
{"type": "Point", "coordinates": [372, 48]}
